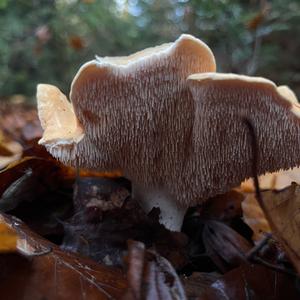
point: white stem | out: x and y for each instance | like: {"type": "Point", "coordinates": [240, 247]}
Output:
{"type": "Point", "coordinates": [171, 215]}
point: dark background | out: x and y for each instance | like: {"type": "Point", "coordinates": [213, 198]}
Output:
{"type": "Point", "coordinates": [46, 40]}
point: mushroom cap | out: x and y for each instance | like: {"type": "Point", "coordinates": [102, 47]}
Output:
{"type": "Point", "coordinates": [57, 117]}
{"type": "Point", "coordinates": [186, 47]}
{"type": "Point", "coordinates": [227, 77]}
{"type": "Point", "coordinates": [168, 64]}
{"type": "Point", "coordinates": [287, 93]}
{"type": "Point", "coordinates": [120, 104]}
{"type": "Point", "coordinates": [223, 102]}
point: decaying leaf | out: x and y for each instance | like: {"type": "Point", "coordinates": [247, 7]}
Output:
{"type": "Point", "coordinates": [19, 121]}
{"type": "Point", "coordinates": [252, 212]}
{"type": "Point", "coordinates": [10, 151]}
{"type": "Point", "coordinates": [252, 282]}
{"type": "Point", "coordinates": [224, 245]}
{"type": "Point", "coordinates": [255, 218]}
{"type": "Point", "coordinates": [196, 284]}
{"type": "Point", "coordinates": [51, 273]}
{"type": "Point", "coordinates": [282, 210]}
{"type": "Point", "coordinates": [4, 151]}
{"type": "Point", "coordinates": [224, 207]}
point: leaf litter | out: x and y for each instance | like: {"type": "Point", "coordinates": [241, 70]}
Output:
{"type": "Point", "coordinates": [88, 239]}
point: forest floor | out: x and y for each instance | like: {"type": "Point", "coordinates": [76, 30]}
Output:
{"type": "Point", "coordinates": [76, 234]}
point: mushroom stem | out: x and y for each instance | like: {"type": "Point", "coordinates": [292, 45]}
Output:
{"type": "Point", "coordinates": [171, 215]}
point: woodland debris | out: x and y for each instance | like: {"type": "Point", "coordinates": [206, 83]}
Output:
{"type": "Point", "coordinates": [283, 213]}
{"type": "Point", "coordinates": [51, 273]}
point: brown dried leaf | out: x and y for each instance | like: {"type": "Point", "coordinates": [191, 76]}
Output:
{"type": "Point", "coordinates": [36, 191]}
{"type": "Point", "coordinates": [4, 151]}
{"type": "Point", "coordinates": [197, 283]}
{"type": "Point", "coordinates": [252, 282]}
{"type": "Point", "coordinates": [54, 274]}
{"type": "Point", "coordinates": [282, 209]}
{"type": "Point", "coordinates": [225, 246]}
{"type": "Point", "coordinates": [252, 213]}
{"type": "Point", "coordinates": [224, 207]}
{"type": "Point", "coordinates": [19, 122]}
{"type": "Point", "coordinates": [255, 218]}
{"type": "Point", "coordinates": [10, 151]}
{"type": "Point", "coordinates": [42, 168]}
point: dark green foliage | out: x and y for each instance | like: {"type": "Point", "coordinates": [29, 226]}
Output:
{"type": "Point", "coordinates": [47, 40]}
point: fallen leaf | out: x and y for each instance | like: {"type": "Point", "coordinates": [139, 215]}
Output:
{"type": "Point", "coordinates": [282, 210]}
{"type": "Point", "coordinates": [253, 215]}
{"type": "Point", "coordinates": [252, 282]}
{"type": "Point", "coordinates": [198, 282]}
{"type": "Point", "coordinates": [36, 191]}
{"type": "Point", "coordinates": [255, 218]}
{"type": "Point", "coordinates": [51, 273]}
{"type": "Point", "coordinates": [224, 245]}
{"type": "Point", "coordinates": [224, 207]}
{"type": "Point", "coordinates": [19, 122]}
{"type": "Point", "coordinates": [4, 151]}
{"type": "Point", "coordinates": [8, 238]}
{"type": "Point", "coordinates": [40, 168]}
{"type": "Point", "coordinates": [10, 151]}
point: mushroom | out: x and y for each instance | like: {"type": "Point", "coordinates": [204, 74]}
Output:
{"type": "Point", "coordinates": [133, 114]}
{"type": "Point", "coordinates": [179, 141]}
